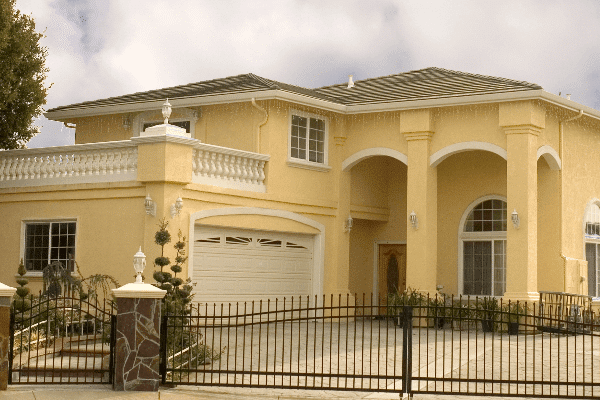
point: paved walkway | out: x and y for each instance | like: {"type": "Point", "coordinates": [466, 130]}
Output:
{"type": "Point", "coordinates": [105, 392]}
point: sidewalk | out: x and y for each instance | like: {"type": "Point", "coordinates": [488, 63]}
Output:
{"type": "Point", "coordinates": [101, 392]}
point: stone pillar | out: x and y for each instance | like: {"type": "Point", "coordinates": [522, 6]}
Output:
{"type": "Point", "coordinates": [6, 295]}
{"type": "Point", "coordinates": [421, 241]}
{"type": "Point", "coordinates": [137, 352]}
{"type": "Point", "coordinates": [522, 122]}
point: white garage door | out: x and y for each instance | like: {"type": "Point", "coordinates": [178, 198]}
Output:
{"type": "Point", "coordinates": [245, 265]}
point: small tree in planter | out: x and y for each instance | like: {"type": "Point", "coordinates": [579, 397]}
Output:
{"type": "Point", "coordinates": [512, 314]}
{"type": "Point", "coordinates": [409, 297]}
{"type": "Point", "coordinates": [438, 310]}
{"type": "Point", "coordinates": [488, 309]}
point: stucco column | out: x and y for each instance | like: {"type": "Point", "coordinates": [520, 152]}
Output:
{"type": "Point", "coordinates": [421, 241]}
{"type": "Point", "coordinates": [521, 246]}
{"type": "Point", "coordinates": [137, 352]}
{"type": "Point", "coordinates": [6, 295]}
{"type": "Point", "coordinates": [522, 122]}
{"type": "Point", "coordinates": [343, 235]}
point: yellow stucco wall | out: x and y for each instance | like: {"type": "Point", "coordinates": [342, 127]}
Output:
{"type": "Point", "coordinates": [112, 223]}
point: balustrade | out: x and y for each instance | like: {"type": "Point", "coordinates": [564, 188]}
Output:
{"type": "Point", "coordinates": [86, 163]}
{"type": "Point", "coordinates": [229, 168]}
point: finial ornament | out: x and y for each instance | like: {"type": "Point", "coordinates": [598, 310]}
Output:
{"type": "Point", "coordinates": [166, 111]}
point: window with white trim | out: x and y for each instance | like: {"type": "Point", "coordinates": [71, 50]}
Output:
{"type": "Point", "coordinates": [308, 138]}
{"type": "Point", "coordinates": [46, 242]}
{"type": "Point", "coordinates": [592, 248]}
{"type": "Point", "coordinates": [484, 249]}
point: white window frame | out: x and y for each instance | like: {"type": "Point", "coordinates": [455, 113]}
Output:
{"type": "Point", "coordinates": [305, 163]}
{"type": "Point", "coordinates": [476, 236]}
{"type": "Point", "coordinates": [24, 224]}
{"type": "Point", "coordinates": [591, 239]}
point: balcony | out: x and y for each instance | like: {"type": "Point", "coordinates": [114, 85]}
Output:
{"type": "Point", "coordinates": [118, 161]}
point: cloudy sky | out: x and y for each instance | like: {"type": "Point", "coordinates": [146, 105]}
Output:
{"type": "Point", "coordinates": [103, 48]}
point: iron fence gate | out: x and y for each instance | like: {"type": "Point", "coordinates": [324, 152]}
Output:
{"type": "Point", "coordinates": [431, 345]}
{"type": "Point", "coordinates": [62, 339]}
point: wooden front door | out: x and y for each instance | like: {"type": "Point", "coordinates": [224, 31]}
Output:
{"type": "Point", "coordinates": [392, 270]}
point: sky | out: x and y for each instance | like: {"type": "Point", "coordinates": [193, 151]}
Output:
{"type": "Point", "coordinates": [104, 48]}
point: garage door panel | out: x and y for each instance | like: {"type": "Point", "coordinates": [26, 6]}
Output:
{"type": "Point", "coordinates": [238, 265]}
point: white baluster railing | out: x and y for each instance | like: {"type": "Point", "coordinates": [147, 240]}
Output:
{"type": "Point", "coordinates": [228, 168]}
{"type": "Point", "coordinates": [81, 163]}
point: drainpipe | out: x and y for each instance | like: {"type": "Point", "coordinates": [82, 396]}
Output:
{"type": "Point", "coordinates": [260, 124]}
{"type": "Point", "coordinates": [69, 125]}
{"type": "Point", "coordinates": [562, 168]}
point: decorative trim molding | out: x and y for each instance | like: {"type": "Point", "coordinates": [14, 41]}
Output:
{"type": "Point", "coordinates": [455, 148]}
{"type": "Point", "coordinates": [359, 156]}
{"type": "Point", "coordinates": [319, 244]}
{"type": "Point", "coordinates": [306, 165]}
{"type": "Point", "coordinates": [551, 156]}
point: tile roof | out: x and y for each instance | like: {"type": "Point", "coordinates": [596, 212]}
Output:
{"type": "Point", "coordinates": [428, 83]}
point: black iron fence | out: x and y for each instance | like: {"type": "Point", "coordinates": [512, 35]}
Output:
{"type": "Point", "coordinates": [410, 344]}
{"type": "Point", "coordinates": [62, 339]}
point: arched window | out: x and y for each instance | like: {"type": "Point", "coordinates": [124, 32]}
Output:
{"type": "Point", "coordinates": [592, 247]}
{"type": "Point", "coordinates": [483, 246]}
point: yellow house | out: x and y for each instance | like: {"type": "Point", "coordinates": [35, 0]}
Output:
{"type": "Point", "coordinates": [430, 179]}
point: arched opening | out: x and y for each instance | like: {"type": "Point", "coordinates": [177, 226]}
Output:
{"type": "Point", "coordinates": [592, 247]}
{"type": "Point", "coordinates": [482, 245]}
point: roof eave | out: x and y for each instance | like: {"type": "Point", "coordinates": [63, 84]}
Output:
{"type": "Point", "coordinates": [278, 94]}
{"type": "Point", "coordinates": [194, 101]}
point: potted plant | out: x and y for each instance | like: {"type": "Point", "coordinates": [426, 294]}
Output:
{"type": "Point", "coordinates": [397, 300]}
{"type": "Point", "coordinates": [513, 312]}
{"type": "Point", "coordinates": [488, 309]}
{"type": "Point", "coordinates": [437, 311]}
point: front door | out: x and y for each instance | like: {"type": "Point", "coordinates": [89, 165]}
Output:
{"type": "Point", "coordinates": [392, 270]}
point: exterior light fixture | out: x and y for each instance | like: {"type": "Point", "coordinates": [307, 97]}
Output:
{"type": "Point", "coordinates": [126, 123]}
{"type": "Point", "coordinates": [177, 207]}
{"type": "Point", "coordinates": [414, 221]}
{"type": "Point", "coordinates": [139, 264]}
{"type": "Point", "coordinates": [150, 206]}
{"type": "Point", "coordinates": [514, 217]}
{"type": "Point", "coordinates": [166, 111]}
{"type": "Point", "coordinates": [348, 223]}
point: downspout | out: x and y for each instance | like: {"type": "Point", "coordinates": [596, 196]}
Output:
{"type": "Point", "coordinates": [260, 124]}
{"type": "Point", "coordinates": [68, 125]}
{"type": "Point", "coordinates": [562, 188]}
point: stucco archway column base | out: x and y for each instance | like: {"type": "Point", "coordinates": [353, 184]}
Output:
{"type": "Point", "coordinates": [521, 254]}
{"type": "Point", "coordinates": [421, 248]}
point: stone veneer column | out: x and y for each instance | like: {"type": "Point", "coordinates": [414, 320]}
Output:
{"type": "Point", "coordinates": [6, 294]}
{"type": "Point", "coordinates": [137, 352]}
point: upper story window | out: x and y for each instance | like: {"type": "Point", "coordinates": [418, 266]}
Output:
{"type": "Point", "coordinates": [46, 242]}
{"type": "Point", "coordinates": [592, 222]}
{"type": "Point", "coordinates": [308, 140]}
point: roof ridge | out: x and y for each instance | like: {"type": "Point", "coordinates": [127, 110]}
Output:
{"type": "Point", "coordinates": [438, 69]}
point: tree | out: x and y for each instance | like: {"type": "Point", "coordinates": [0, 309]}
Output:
{"type": "Point", "coordinates": [22, 75]}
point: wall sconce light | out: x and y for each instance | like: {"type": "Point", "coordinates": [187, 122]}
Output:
{"type": "Point", "coordinates": [150, 206]}
{"type": "Point", "coordinates": [348, 223]}
{"type": "Point", "coordinates": [177, 207]}
{"type": "Point", "coordinates": [139, 264]}
{"type": "Point", "coordinates": [414, 221]}
{"type": "Point", "coordinates": [166, 111]}
{"type": "Point", "coordinates": [126, 123]}
{"type": "Point", "coordinates": [514, 217]}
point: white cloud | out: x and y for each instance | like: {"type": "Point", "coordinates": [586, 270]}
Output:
{"type": "Point", "coordinates": [101, 49]}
